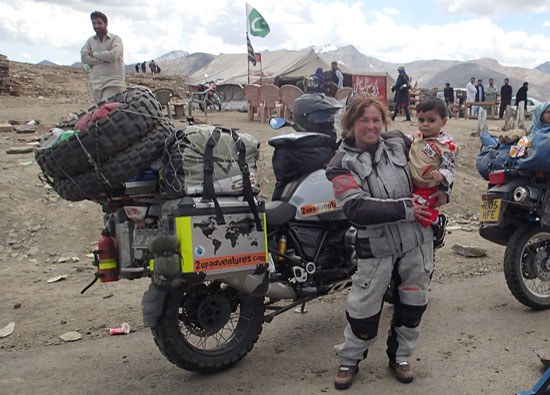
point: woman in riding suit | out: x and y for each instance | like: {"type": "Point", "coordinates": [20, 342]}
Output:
{"type": "Point", "coordinates": [372, 184]}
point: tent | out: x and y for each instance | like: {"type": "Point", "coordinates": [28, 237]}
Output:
{"type": "Point", "coordinates": [231, 70]}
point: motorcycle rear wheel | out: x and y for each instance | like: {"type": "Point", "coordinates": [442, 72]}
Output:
{"type": "Point", "coordinates": [207, 328]}
{"type": "Point", "coordinates": [527, 266]}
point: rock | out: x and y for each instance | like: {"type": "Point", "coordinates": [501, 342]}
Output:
{"type": "Point", "coordinates": [19, 150]}
{"type": "Point", "coordinates": [469, 251]}
{"type": "Point", "coordinates": [7, 330]}
{"type": "Point", "coordinates": [25, 130]}
{"type": "Point", "coordinates": [544, 356]}
{"type": "Point", "coordinates": [6, 127]}
{"type": "Point", "coordinates": [16, 305]}
{"type": "Point", "coordinates": [63, 259]}
{"type": "Point", "coordinates": [71, 336]}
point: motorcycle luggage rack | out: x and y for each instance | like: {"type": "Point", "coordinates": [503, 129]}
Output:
{"type": "Point", "coordinates": [281, 309]}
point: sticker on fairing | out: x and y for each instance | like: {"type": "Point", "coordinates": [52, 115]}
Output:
{"type": "Point", "coordinates": [318, 208]}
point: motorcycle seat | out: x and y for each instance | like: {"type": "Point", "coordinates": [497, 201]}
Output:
{"type": "Point", "coordinates": [278, 213]}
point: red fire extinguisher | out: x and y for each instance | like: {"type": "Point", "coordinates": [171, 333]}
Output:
{"type": "Point", "coordinates": [106, 258]}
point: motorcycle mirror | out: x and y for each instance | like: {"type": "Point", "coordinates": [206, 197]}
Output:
{"type": "Point", "coordinates": [278, 123]}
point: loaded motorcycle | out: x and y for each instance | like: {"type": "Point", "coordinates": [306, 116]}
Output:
{"type": "Point", "coordinates": [221, 267]}
{"type": "Point", "coordinates": [515, 212]}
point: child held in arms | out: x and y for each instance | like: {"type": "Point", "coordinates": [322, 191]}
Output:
{"type": "Point", "coordinates": [432, 158]}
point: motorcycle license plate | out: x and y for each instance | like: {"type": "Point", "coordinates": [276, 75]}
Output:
{"type": "Point", "coordinates": [489, 210]}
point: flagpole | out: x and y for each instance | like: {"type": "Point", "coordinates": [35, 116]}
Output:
{"type": "Point", "coordinates": [247, 38]}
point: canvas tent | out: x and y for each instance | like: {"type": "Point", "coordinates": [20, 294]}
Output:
{"type": "Point", "coordinates": [231, 70]}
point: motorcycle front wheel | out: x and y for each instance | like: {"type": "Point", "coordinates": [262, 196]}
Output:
{"type": "Point", "coordinates": [216, 102]}
{"type": "Point", "coordinates": [208, 327]}
{"type": "Point", "coordinates": [527, 266]}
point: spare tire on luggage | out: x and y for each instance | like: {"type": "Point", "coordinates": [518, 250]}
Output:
{"type": "Point", "coordinates": [139, 113]}
{"type": "Point", "coordinates": [106, 181]}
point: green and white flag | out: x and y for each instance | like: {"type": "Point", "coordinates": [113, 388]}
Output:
{"type": "Point", "coordinates": [256, 22]}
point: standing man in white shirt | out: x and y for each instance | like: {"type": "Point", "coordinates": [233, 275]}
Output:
{"type": "Point", "coordinates": [471, 92]}
{"type": "Point", "coordinates": [336, 75]}
{"type": "Point", "coordinates": [104, 54]}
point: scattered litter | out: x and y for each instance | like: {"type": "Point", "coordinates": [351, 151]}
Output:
{"type": "Point", "coordinates": [123, 330]}
{"type": "Point", "coordinates": [469, 251]}
{"type": "Point", "coordinates": [7, 330]}
{"type": "Point", "coordinates": [90, 255]}
{"type": "Point", "coordinates": [70, 336]}
{"type": "Point", "coordinates": [26, 163]}
{"type": "Point", "coordinates": [544, 356]}
{"type": "Point", "coordinates": [75, 259]}
{"type": "Point", "coordinates": [63, 259]}
{"type": "Point", "coordinates": [32, 122]}
{"type": "Point", "coordinates": [56, 279]}
{"type": "Point", "coordinates": [16, 305]}
{"type": "Point", "coordinates": [107, 296]}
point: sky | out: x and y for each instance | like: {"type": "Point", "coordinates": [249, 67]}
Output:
{"type": "Point", "coordinates": [516, 33]}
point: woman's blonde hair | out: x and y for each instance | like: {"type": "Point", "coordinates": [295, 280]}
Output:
{"type": "Point", "coordinates": [356, 110]}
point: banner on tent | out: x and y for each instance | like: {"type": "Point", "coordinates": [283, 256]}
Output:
{"type": "Point", "coordinates": [375, 85]}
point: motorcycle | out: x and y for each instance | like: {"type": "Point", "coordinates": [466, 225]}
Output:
{"type": "Point", "coordinates": [515, 212]}
{"type": "Point", "coordinates": [206, 321]}
{"type": "Point", "coordinates": [212, 99]}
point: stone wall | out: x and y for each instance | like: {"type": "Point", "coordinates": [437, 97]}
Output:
{"type": "Point", "coordinates": [4, 76]}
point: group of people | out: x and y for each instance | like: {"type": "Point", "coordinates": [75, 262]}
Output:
{"type": "Point", "coordinates": [478, 93]}
{"type": "Point", "coordinates": [155, 69]}
{"type": "Point", "coordinates": [329, 85]}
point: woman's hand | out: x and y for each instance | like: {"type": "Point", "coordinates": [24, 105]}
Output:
{"type": "Point", "coordinates": [420, 210]}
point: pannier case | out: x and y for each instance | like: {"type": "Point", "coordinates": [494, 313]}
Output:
{"type": "Point", "coordinates": [209, 247]}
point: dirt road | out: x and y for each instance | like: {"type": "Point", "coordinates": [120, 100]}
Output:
{"type": "Point", "coordinates": [476, 339]}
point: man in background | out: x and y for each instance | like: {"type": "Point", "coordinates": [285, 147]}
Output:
{"type": "Point", "coordinates": [505, 97]}
{"type": "Point", "coordinates": [471, 92]}
{"type": "Point", "coordinates": [104, 54]}
{"type": "Point", "coordinates": [336, 75]}
{"type": "Point", "coordinates": [480, 95]}
{"type": "Point", "coordinates": [521, 95]}
{"type": "Point", "coordinates": [449, 94]}
{"type": "Point", "coordinates": [491, 95]}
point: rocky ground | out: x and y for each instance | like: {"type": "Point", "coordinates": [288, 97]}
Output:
{"type": "Point", "coordinates": [45, 237]}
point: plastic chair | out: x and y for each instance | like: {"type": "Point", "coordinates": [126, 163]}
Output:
{"type": "Point", "coordinates": [269, 98]}
{"type": "Point", "coordinates": [289, 93]}
{"type": "Point", "coordinates": [342, 93]}
{"type": "Point", "coordinates": [164, 95]}
{"type": "Point", "coordinates": [252, 94]}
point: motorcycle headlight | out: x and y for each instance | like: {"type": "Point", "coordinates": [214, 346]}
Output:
{"type": "Point", "coordinates": [521, 194]}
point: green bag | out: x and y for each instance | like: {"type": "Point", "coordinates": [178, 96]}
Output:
{"type": "Point", "coordinates": [211, 161]}
{"type": "Point", "coordinates": [185, 157]}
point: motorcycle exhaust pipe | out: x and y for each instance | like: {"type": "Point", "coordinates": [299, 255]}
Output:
{"type": "Point", "coordinates": [521, 194]}
{"type": "Point", "coordinates": [259, 285]}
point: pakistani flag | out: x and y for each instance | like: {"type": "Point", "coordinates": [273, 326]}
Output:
{"type": "Point", "coordinates": [256, 22]}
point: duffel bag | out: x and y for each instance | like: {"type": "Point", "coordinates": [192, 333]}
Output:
{"type": "Point", "coordinates": [493, 156]}
{"type": "Point", "coordinates": [200, 151]}
{"type": "Point", "coordinates": [212, 161]}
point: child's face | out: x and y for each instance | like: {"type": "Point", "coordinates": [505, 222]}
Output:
{"type": "Point", "coordinates": [430, 123]}
{"type": "Point", "coordinates": [545, 117]}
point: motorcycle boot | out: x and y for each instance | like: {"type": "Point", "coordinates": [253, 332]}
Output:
{"type": "Point", "coordinates": [439, 229]}
{"type": "Point", "coordinates": [344, 376]}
